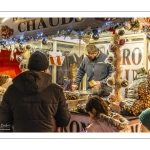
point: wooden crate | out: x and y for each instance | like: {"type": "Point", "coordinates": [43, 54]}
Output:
{"type": "Point", "coordinates": [72, 104]}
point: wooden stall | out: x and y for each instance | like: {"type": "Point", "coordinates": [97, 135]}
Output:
{"type": "Point", "coordinates": [64, 39]}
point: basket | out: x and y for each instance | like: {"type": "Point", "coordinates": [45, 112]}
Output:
{"type": "Point", "coordinates": [72, 104]}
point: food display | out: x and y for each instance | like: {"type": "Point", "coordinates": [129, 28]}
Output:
{"type": "Point", "coordinates": [6, 32]}
{"type": "Point", "coordinates": [71, 95]}
{"type": "Point", "coordinates": [73, 99]}
{"type": "Point", "coordinates": [137, 95]}
{"type": "Point", "coordinates": [126, 105]}
{"type": "Point", "coordinates": [81, 108]}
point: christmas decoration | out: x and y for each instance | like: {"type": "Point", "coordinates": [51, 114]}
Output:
{"type": "Point", "coordinates": [137, 95]}
{"type": "Point", "coordinates": [86, 38]}
{"type": "Point", "coordinates": [148, 36]}
{"type": "Point", "coordinates": [28, 47]}
{"type": "Point", "coordinates": [111, 81]}
{"type": "Point", "coordinates": [127, 25]}
{"type": "Point", "coordinates": [121, 42]}
{"type": "Point", "coordinates": [45, 41]}
{"type": "Point", "coordinates": [111, 25]}
{"type": "Point", "coordinates": [135, 25]}
{"type": "Point", "coordinates": [6, 32]}
{"type": "Point", "coordinates": [124, 83]}
{"type": "Point", "coordinates": [19, 58]}
{"type": "Point", "coordinates": [121, 32]}
{"type": "Point", "coordinates": [95, 35]}
{"type": "Point", "coordinates": [112, 48]}
{"type": "Point", "coordinates": [115, 81]}
{"type": "Point", "coordinates": [147, 19]}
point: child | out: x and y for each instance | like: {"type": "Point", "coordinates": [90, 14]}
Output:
{"type": "Point", "coordinates": [145, 120]}
{"type": "Point", "coordinates": [103, 119]}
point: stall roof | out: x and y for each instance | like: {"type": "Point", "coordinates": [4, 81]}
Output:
{"type": "Point", "coordinates": [71, 30]}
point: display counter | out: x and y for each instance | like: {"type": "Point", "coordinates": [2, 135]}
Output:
{"type": "Point", "coordinates": [79, 121]}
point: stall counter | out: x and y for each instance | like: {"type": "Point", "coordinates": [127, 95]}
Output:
{"type": "Point", "coordinates": [79, 121]}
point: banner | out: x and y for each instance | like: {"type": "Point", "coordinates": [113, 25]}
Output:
{"type": "Point", "coordinates": [17, 27]}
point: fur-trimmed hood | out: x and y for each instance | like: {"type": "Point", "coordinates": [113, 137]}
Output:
{"type": "Point", "coordinates": [112, 123]}
{"type": "Point", "coordinates": [115, 119]}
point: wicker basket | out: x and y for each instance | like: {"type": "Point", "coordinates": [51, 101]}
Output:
{"type": "Point", "coordinates": [72, 104]}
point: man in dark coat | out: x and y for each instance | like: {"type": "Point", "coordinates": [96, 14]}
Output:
{"type": "Point", "coordinates": [33, 103]}
{"type": "Point", "coordinates": [96, 69]}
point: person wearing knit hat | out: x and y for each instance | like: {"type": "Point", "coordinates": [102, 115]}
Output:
{"type": "Point", "coordinates": [145, 120]}
{"type": "Point", "coordinates": [32, 103]}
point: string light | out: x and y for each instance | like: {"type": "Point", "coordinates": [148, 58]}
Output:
{"type": "Point", "coordinates": [74, 33]}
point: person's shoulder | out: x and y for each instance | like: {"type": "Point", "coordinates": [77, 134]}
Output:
{"type": "Point", "coordinates": [56, 86]}
{"type": "Point", "coordinates": [103, 54]}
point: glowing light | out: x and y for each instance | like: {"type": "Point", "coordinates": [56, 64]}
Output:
{"type": "Point", "coordinates": [5, 19]}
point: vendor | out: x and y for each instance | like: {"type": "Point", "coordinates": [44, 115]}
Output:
{"type": "Point", "coordinates": [97, 71]}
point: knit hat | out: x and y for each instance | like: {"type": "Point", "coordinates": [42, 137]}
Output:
{"type": "Point", "coordinates": [91, 48]}
{"type": "Point", "coordinates": [145, 118]}
{"type": "Point", "coordinates": [38, 61]}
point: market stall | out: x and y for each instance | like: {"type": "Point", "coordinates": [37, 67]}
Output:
{"type": "Point", "coordinates": [63, 40]}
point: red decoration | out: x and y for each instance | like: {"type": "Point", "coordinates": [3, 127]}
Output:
{"type": "Point", "coordinates": [147, 19]}
{"type": "Point", "coordinates": [58, 60]}
{"type": "Point", "coordinates": [51, 59]}
{"type": "Point", "coordinates": [112, 30]}
{"type": "Point", "coordinates": [122, 42]}
{"type": "Point", "coordinates": [6, 32]}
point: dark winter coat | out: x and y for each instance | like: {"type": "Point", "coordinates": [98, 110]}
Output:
{"type": "Point", "coordinates": [34, 104]}
{"type": "Point", "coordinates": [95, 69]}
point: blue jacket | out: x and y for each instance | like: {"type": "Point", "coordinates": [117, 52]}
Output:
{"type": "Point", "coordinates": [95, 69]}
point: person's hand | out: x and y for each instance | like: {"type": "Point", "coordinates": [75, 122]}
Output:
{"type": "Point", "coordinates": [98, 84]}
{"type": "Point", "coordinates": [74, 87]}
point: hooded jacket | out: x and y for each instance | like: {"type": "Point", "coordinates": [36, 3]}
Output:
{"type": "Point", "coordinates": [101, 126]}
{"type": "Point", "coordinates": [113, 123]}
{"type": "Point", "coordinates": [33, 104]}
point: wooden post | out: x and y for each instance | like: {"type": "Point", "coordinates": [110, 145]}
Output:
{"type": "Point", "coordinates": [54, 66]}
{"type": "Point", "coordinates": [145, 53]}
{"type": "Point", "coordinates": [84, 78]}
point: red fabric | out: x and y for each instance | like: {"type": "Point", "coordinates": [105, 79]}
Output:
{"type": "Point", "coordinates": [7, 66]}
